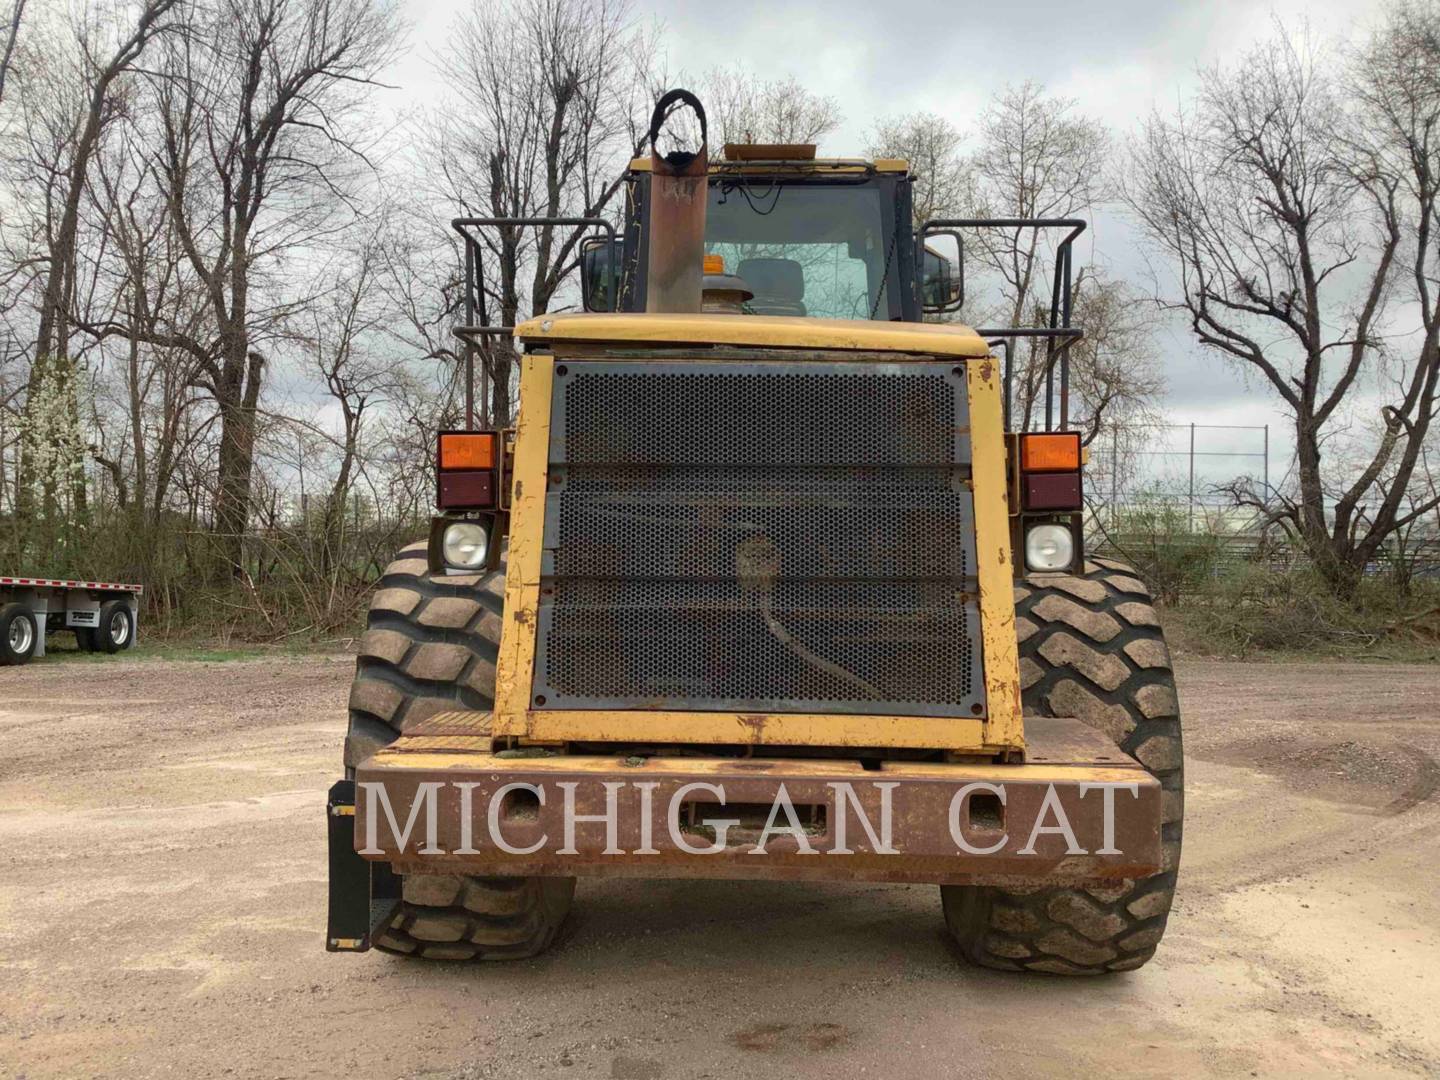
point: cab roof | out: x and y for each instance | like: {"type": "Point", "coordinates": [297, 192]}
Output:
{"type": "Point", "coordinates": [757, 331]}
{"type": "Point", "coordinates": [719, 167]}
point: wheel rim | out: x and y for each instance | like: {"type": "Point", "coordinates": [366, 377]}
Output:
{"type": "Point", "coordinates": [119, 628]}
{"type": "Point", "coordinates": [21, 636]}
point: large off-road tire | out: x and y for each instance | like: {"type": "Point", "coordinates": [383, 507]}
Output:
{"type": "Point", "coordinates": [430, 645]}
{"type": "Point", "coordinates": [475, 918]}
{"type": "Point", "coordinates": [1090, 647]}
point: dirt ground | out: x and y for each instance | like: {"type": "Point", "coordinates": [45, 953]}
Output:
{"type": "Point", "coordinates": [162, 896]}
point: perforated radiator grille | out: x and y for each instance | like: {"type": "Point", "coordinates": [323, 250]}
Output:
{"type": "Point", "coordinates": [793, 537]}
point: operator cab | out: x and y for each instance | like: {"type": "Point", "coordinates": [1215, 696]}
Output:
{"type": "Point", "coordinates": [794, 234]}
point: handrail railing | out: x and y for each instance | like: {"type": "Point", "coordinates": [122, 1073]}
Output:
{"type": "Point", "coordinates": [470, 330]}
{"type": "Point", "coordinates": [1004, 343]}
{"type": "Point", "coordinates": [1059, 335]}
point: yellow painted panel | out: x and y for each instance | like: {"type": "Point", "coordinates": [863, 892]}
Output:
{"type": "Point", "coordinates": [1004, 723]}
{"type": "Point", "coordinates": [527, 523]}
{"type": "Point", "coordinates": [798, 166]}
{"type": "Point", "coordinates": [759, 331]}
{"type": "Point", "coordinates": [393, 758]}
{"type": "Point", "coordinates": [387, 760]}
{"type": "Point", "coordinates": [755, 729]}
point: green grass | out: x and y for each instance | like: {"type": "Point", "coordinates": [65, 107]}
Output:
{"type": "Point", "coordinates": [59, 651]}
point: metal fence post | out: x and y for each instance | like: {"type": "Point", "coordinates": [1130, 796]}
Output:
{"type": "Point", "coordinates": [1265, 498]}
{"type": "Point", "coordinates": [1115, 479]}
{"type": "Point", "coordinates": [1192, 452]}
{"type": "Point", "coordinates": [1192, 477]}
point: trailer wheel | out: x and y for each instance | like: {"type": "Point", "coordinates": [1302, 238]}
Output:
{"type": "Point", "coordinates": [1090, 647]}
{"type": "Point", "coordinates": [116, 629]}
{"type": "Point", "coordinates": [85, 638]}
{"type": "Point", "coordinates": [430, 645]}
{"type": "Point", "coordinates": [17, 634]}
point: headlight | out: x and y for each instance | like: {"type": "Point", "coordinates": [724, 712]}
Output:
{"type": "Point", "coordinates": [465, 545]}
{"type": "Point", "coordinates": [1049, 547]}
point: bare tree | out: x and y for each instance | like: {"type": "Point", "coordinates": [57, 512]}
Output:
{"type": "Point", "coordinates": [12, 33]}
{"type": "Point", "coordinates": [260, 107]}
{"type": "Point", "coordinates": [421, 284]}
{"type": "Point", "coordinates": [1115, 377]}
{"type": "Point", "coordinates": [744, 108]}
{"type": "Point", "coordinates": [547, 96]}
{"type": "Point", "coordinates": [934, 150]}
{"type": "Point", "coordinates": [1036, 157]}
{"type": "Point", "coordinates": [1300, 212]}
{"type": "Point", "coordinates": [69, 83]}
{"type": "Point", "coordinates": [146, 280]}
{"type": "Point", "coordinates": [347, 346]}
{"type": "Point", "coordinates": [99, 71]}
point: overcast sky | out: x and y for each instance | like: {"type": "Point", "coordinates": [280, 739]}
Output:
{"type": "Point", "coordinates": [1116, 58]}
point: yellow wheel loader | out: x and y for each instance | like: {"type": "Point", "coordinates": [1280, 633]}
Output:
{"type": "Point", "coordinates": [760, 587]}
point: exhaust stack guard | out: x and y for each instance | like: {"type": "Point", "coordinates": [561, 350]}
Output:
{"type": "Point", "coordinates": [677, 214]}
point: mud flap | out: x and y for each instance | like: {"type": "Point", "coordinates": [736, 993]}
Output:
{"type": "Point", "coordinates": [364, 895]}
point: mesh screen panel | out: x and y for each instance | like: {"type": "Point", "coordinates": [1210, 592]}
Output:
{"type": "Point", "coordinates": [779, 537]}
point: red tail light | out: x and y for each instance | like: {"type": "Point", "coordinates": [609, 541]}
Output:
{"type": "Point", "coordinates": [467, 470]}
{"type": "Point", "coordinates": [1050, 471]}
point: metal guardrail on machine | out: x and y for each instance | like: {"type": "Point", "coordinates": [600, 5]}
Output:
{"type": "Point", "coordinates": [477, 334]}
{"type": "Point", "coordinates": [1059, 335]}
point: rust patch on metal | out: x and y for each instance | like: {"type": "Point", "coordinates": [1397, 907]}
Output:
{"type": "Point", "coordinates": [524, 616]}
{"type": "Point", "coordinates": [756, 723]}
{"type": "Point", "coordinates": [987, 369]}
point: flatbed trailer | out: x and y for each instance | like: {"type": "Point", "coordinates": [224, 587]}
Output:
{"type": "Point", "coordinates": [103, 615]}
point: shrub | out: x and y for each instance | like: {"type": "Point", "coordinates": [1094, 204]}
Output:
{"type": "Point", "coordinates": [1156, 538]}
{"type": "Point", "coordinates": [1252, 608]}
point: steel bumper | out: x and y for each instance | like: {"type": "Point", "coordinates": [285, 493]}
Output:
{"type": "Point", "coordinates": [1077, 810]}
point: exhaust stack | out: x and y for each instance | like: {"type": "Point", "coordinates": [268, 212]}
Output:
{"type": "Point", "coordinates": [678, 193]}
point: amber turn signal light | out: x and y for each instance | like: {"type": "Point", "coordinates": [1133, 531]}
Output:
{"type": "Point", "coordinates": [467, 450]}
{"type": "Point", "coordinates": [1050, 453]}
{"type": "Point", "coordinates": [714, 264]}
